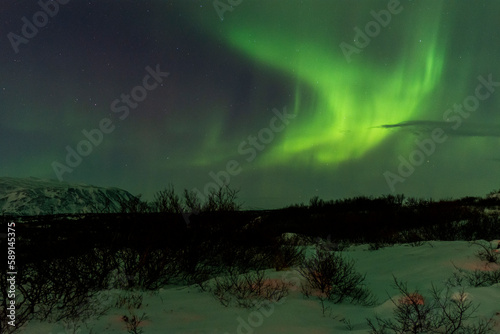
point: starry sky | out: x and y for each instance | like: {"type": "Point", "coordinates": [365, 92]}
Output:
{"type": "Point", "coordinates": [284, 100]}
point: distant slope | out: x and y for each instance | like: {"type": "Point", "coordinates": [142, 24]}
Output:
{"type": "Point", "coordinates": [33, 196]}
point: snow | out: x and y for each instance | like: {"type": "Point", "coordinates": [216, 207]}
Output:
{"type": "Point", "coordinates": [34, 196]}
{"type": "Point", "coordinates": [185, 309]}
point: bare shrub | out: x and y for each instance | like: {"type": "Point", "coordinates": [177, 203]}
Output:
{"type": "Point", "coordinates": [197, 263]}
{"type": "Point", "coordinates": [133, 323]}
{"type": "Point", "coordinates": [442, 312]}
{"type": "Point", "coordinates": [287, 254]}
{"type": "Point", "coordinates": [475, 278]}
{"type": "Point", "coordinates": [72, 290]}
{"type": "Point", "coordinates": [192, 202]}
{"type": "Point", "coordinates": [374, 246]}
{"type": "Point", "coordinates": [167, 201]}
{"type": "Point", "coordinates": [148, 269]}
{"type": "Point", "coordinates": [335, 276]}
{"type": "Point", "coordinates": [199, 275]}
{"type": "Point", "coordinates": [245, 290]}
{"type": "Point", "coordinates": [486, 252]}
{"type": "Point", "coordinates": [133, 205]}
{"type": "Point", "coordinates": [412, 237]}
{"type": "Point", "coordinates": [58, 290]}
{"type": "Point", "coordinates": [25, 307]}
{"type": "Point", "coordinates": [332, 245]}
{"type": "Point", "coordinates": [132, 300]}
{"type": "Point", "coordinates": [223, 199]}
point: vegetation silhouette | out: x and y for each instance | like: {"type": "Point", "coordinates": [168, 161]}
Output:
{"type": "Point", "coordinates": [64, 261]}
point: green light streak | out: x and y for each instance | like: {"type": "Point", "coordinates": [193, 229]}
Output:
{"type": "Point", "coordinates": [350, 100]}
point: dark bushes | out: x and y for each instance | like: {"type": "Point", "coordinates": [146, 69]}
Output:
{"type": "Point", "coordinates": [57, 289]}
{"type": "Point", "coordinates": [335, 277]}
{"type": "Point", "coordinates": [475, 278]}
{"type": "Point", "coordinates": [442, 312]}
{"type": "Point", "coordinates": [248, 289]}
{"type": "Point", "coordinates": [148, 269]}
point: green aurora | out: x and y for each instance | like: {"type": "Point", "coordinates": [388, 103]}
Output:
{"type": "Point", "coordinates": [366, 81]}
{"type": "Point", "coordinates": [349, 99]}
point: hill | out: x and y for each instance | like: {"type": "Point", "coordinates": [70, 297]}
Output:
{"type": "Point", "coordinates": [34, 196]}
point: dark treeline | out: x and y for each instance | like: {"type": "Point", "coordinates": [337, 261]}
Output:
{"type": "Point", "coordinates": [394, 219]}
{"type": "Point", "coordinates": [387, 219]}
{"type": "Point", "coordinates": [64, 260]}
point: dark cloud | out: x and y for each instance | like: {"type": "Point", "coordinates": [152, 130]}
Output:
{"type": "Point", "coordinates": [462, 130]}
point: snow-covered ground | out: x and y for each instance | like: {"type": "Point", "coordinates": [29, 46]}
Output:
{"type": "Point", "coordinates": [174, 309]}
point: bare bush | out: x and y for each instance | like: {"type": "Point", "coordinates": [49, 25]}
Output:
{"type": "Point", "coordinates": [442, 312]}
{"type": "Point", "coordinates": [59, 290]}
{"type": "Point", "coordinates": [147, 269]}
{"type": "Point", "coordinates": [133, 323]}
{"type": "Point", "coordinates": [24, 307]}
{"type": "Point", "coordinates": [167, 201]}
{"type": "Point", "coordinates": [245, 290]}
{"type": "Point", "coordinates": [475, 278]}
{"type": "Point", "coordinates": [224, 199]}
{"type": "Point", "coordinates": [486, 252]}
{"type": "Point", "coordinates": [192, 202]}
{"type": "Point", "coordinates": [133, 205]}
{"type": "Point", "coordinates": [335, 276]}
{"type": "Point", "coordinates": [72, 290]}
{"type": "Point", "coordinates": [287, 254]}
{"type": "Point", "coordinates": [132, 300]}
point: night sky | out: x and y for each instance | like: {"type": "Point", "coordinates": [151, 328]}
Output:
{"type": "Point", "coordinates": [285, 99]}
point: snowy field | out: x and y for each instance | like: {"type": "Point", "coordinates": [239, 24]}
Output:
{"type": "Point", "coordinates": [174, 309]}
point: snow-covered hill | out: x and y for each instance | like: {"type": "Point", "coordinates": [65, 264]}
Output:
{"type": "Point", "coordinates": [34, 196]}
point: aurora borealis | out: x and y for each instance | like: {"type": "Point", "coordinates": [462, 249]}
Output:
{"type": "Point", "coordinates": [352, 116]}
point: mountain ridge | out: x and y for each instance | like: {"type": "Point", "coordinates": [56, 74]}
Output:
{"type": "Point", "coordinates": [34, 196]}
